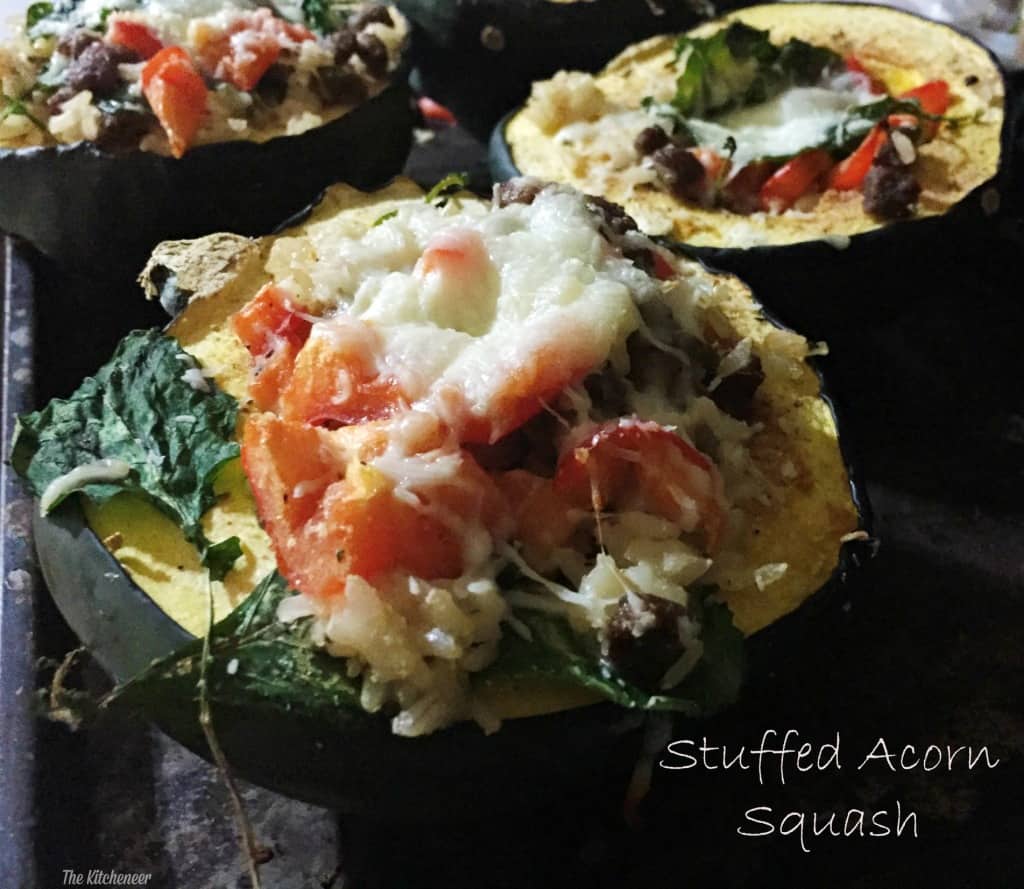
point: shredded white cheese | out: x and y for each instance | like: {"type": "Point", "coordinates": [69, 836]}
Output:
{"type": "Point", "coordinates": [106, 470]}
{"type": "Point", "coordinates": [768, 574]}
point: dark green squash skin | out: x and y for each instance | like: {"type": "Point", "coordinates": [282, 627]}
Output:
{"type": "Point", "coordinates": [100, 213]}
{"type": "Point", "coordinates": [362, 767]}
{"type": "Point", "coordinates": [822, 290]}
{"type": "Point", "coordinates": [539, 38]}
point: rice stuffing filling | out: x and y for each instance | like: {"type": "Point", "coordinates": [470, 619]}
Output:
{"type": "Point", "coordinates": [168, 76]}
{"type": "Point", "coordinates": [471, 413]}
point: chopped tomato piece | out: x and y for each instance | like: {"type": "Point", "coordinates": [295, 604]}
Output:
{"type": "Point", "coordinates": [628, 464]}
{"type": "Point", "coordinates": [434, 112]}
{"type": "Point", "coordinates": [335, 381]}
{"type": "Point", "coordinates": [526, 388]}
{"type": "Point", "coordinates": [933, 96]}
{"type": "Point", "coordinates": [543, 516]}
{"type": "Point", "coordinates": [242, 53]}
{"type": "Point", "coordinates": [134, 36]}
{"type": "Point", "coordinates": [794, 179]}
{"type": "Point", "coordinates": [854, 64]}
{"type": "Point", "coordinates": [848, 174]}
{"type": "Point", "coordinates": [274, 332]}
{"type": "Point", "coordinates": [378, 533]}
{"type": "Point", "coordinates": [330, 514]}
{"type": "Point", "coordinates": [269, 317]}
{"type": "Point", "coordinates": [251, 54]}
{"type": "Point", "coordinates": [177, 94]}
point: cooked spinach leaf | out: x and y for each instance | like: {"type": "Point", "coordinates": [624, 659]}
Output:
{"type": "Point", "coordinates": [220, 558]}
{"type": "Point", "coordinates": [317, 14]}
{"type": "Point", "coordinates": [555, 651]}
{"type": "Point", "coordinates": [36, 13]}
{"type": "Point", "coordinates": [324, 16]}
{"type": "Point", "coordinates": [256, 663]}
{"type": "Point", "coordinates": [150, 408]}
{"type": "Point", "coordinates": [739, 66]}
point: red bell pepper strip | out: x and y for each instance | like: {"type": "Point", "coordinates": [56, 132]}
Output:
{"type": "Point", "coordinates": [848, 174]}
{"type": "Point", "coordinates": [794, 179]}
{"type": "Point", "coordinates": [176, 92]}
{"type": "Point", "coordinates": [933, 96]}
{"type": "Point", "coordinates": [134, 36]}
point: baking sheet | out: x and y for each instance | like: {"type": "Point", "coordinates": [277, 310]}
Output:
{"type": "Point", "coordinates": [923, 649]}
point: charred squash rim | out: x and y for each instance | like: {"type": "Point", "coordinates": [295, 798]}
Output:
{"type": "Point", "coordinates": [125, 629]}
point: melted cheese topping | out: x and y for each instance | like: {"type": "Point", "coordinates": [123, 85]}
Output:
{"type": "Point", "coordinates": [799, 118]}
{"type": "Point", "coordinates": [457, 303]}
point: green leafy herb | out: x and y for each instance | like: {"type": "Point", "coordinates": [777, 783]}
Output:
{"type": "Point", "coordinates": [739, 65]}
{"type": "Point", "coordinates": [255, 663]}
{"type": "Point", "coordinates": [384, 217]}
{"type": "Point", "coordinates": [220, 558]}
{"type": "Point", "coordinates": [140, 409]}
{"type": "Point", "coordinates": [105, 13]}
{"type": "Point", "coordinates": [557, 652]}
{"type": "Point", "coordinates": [10, 106]}
{"type": "Point", "coordinates": [440, 194]}
{"type": "Point", "coordinates": [36, 13]}
{"type": "Point", "coordinates": [323, 16]}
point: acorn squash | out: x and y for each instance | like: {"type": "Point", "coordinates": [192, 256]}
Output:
{"type": "Point", "coordinates": [287, 715]}
{"type": "Point", "coordinates": [810, 263]}
{"type": "Point", "coordinates": [98, 209]}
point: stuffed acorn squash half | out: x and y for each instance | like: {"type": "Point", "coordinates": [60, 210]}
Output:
{"type": "Point", "coordinates": [817, 127]}
{"type": "Point", "coordinates": [466, 483]}
{"type": "Point", "coordinates": [140, 121]}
